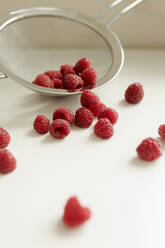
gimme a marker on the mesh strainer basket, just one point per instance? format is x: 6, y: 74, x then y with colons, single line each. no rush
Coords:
x: 39, y: 39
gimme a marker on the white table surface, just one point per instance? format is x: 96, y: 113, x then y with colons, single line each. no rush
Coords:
x: 126, y: 195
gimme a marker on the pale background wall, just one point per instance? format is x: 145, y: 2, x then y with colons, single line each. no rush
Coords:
x: 142, y: 27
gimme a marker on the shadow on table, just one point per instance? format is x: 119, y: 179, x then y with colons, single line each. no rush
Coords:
x: 63, y: 230
x: 137, y: 162
x: 29, y: 106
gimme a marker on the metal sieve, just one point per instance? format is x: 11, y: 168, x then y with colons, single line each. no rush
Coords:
x: 38, y: 39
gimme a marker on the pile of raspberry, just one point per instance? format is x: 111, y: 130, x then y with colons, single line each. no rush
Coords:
x: 149, y: 149
x: 71, y: 78
x: 63, y: 118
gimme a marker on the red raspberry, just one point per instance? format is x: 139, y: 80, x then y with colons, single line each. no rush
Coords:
x: 134, y: 93
x: 4, y: 138
x: 161, y: 131
x: 96, y: 109
x: 83, y: 117
x: 89, y: 76
x: 89, y: 99
x: 67, y: 69
x: 74, y: 214
x: 110, y: 114
x: 104, y: 129
x: 81, y: 65
x: 41, y: 124
x: 149, y: 149
x: 60, y: 128
x: 7, y: 161
x: 72, y: 81
x: 53, y: 74
x: 44, y: 81
x: 58, y: 84
x: 63, y: 113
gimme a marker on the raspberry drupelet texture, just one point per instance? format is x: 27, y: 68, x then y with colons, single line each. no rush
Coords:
x: 67, y: 69
x: 63, y: 113
x: 161, y: 131
x: 53, y: 74
x: 74, y: 214
x: 104, y: 129
x: 83, y: 117
x: 96, y: 109
x: 149, y: 149
x: 110, y: 114
x: 134, y: 93
x: 41, y: 124
x: 7, y: 161
x: 81, y: 65
x: 60, y: 128
x: 4, y: 138
x: 89, y: 99
x: 89, y: 77
x: 57, y: 83
x: 72, y: 81
x: 44, y: 81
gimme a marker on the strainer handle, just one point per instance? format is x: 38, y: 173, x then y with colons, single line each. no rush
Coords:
x: 122, y: 12
x: 2, y: 75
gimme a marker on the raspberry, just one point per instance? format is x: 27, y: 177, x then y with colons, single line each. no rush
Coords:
x: 72, y: 81
x: 44, y: 81
x: 104, y: 129
x: 4, y: 138
x: 134, y: 93
x: 149, y: 149
x: 83, y: 117
x: 60, y: 128
x: 74, y: 214
x: 7, y: 161
x: 63, y: 113
x: 89, y: 76
x: 58, y: 84
x: 41, y: 124
x: 110, y: 114
x: 96, y: 109
x: 81, y: 65
x: 89, y: 99
x: 53, y: 74
x: 67, y: 69
x: 161, y: 131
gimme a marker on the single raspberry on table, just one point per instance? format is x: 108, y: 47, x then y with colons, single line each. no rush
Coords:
x: 60, y: 128
x: 4, y: 138
x: 67, y: 69
x: 63, y: 113
x: 96, y: 109
x: 83, y: 117
x: 134, y: 93
x: 7, y: 161
x: 81, y: 65
x: 110, y: 114
x: 89, y: 99
x: 149, y: 149
x: 72, y: 81
x: 44, y: 81
x: 74, y: 214
x: 161, y: 131
x: 41, y: 124
x: 57, y: 83
x: 104, y: 129
x: 53, y: 74
x: 89, y: 77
